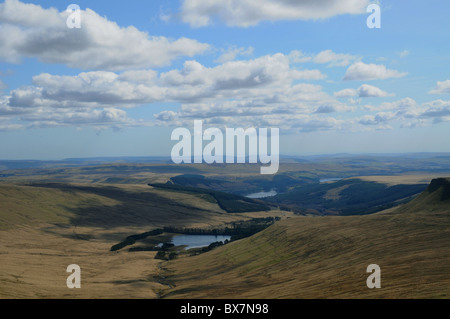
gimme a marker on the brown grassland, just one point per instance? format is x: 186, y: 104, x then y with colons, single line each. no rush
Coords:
x: 44, y: 228
x: 327, y: 257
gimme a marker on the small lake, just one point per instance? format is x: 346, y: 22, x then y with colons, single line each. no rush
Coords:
x: 262, y: 194
x: 196, y: 241
x: 324, y: 180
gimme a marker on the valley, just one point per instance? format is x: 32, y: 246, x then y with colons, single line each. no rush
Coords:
x: 312, y: 239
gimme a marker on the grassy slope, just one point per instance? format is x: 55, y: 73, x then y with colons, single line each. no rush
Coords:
x: 105, y: 206
x: 326, y: 257
x: 43, y: 229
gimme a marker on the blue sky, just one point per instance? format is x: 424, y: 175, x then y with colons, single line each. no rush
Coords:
x: 135, y: 70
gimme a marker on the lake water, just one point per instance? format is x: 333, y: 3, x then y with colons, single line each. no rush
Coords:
x: 196, y: 241
x: 262, y: 194
x: 324, y: 180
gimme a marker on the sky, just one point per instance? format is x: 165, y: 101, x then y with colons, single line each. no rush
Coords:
x: 135, y: 70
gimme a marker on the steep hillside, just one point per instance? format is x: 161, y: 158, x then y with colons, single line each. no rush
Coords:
x: 106, y: 206
x: 46, y: 227
x: 327, y: 257
x: 352, y: 196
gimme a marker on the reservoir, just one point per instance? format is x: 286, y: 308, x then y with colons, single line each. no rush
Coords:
x: 262, y: 194
x: 196, y: 241
x: 324, y: 180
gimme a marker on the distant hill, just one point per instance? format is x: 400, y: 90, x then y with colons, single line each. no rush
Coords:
x: 327, y: 257
x: 346, y: 197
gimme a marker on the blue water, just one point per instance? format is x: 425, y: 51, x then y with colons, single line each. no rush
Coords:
x: 196, y: 241
x: 262, y: 194
x: 324, y: 180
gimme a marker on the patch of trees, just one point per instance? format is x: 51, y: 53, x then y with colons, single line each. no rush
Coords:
x: 130, y: 240
x: 210, y: 247
x: 236, y: 230
x: 164, y: 252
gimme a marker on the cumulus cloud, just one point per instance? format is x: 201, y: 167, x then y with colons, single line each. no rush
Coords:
x: 50, y: 116
x: 193, y: 83
x: 438, y: 110
x: 345, y: 93
x: 405, y: 104
x: 9, y: 127
x: 287, y: 120
x: 64, y: 117
x: 235, y: 88
x: 367, y: 90
x: 28, y: 30
x: 442, y: 87
x: 364, y: 90
x: 334, y: 59
x: 302, y: 107
x: 231, y: 53
x: 245, y: 13
x: 297, y: 56
x: 324, y: 57
x: 380, y: 118
x: 360, y: 71
x: 236, y: 74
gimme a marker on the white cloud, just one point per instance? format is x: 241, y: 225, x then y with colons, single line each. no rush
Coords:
x: 381, y: 118
x: 367, y: 90
x: 438, y: 110
x: 333, y: 107
x: 231, y: 53
x: 27, y: 14
x: 28, y: 30
x: 405, y: 104
x: 364, y: 90
x: 309, y: 75
x: 324, y: 57
x: 252, y: 87
x: 266, y: 76
x: 10, y: 127
x: 244, y: 13
x: 297, y: 56
x: 363, y: 72
x: 334, y: 59
x: 436, y: 104
x: 42, y: 114
x: 345, y: 93
x: 236, y: 77
x: 442, y: 87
